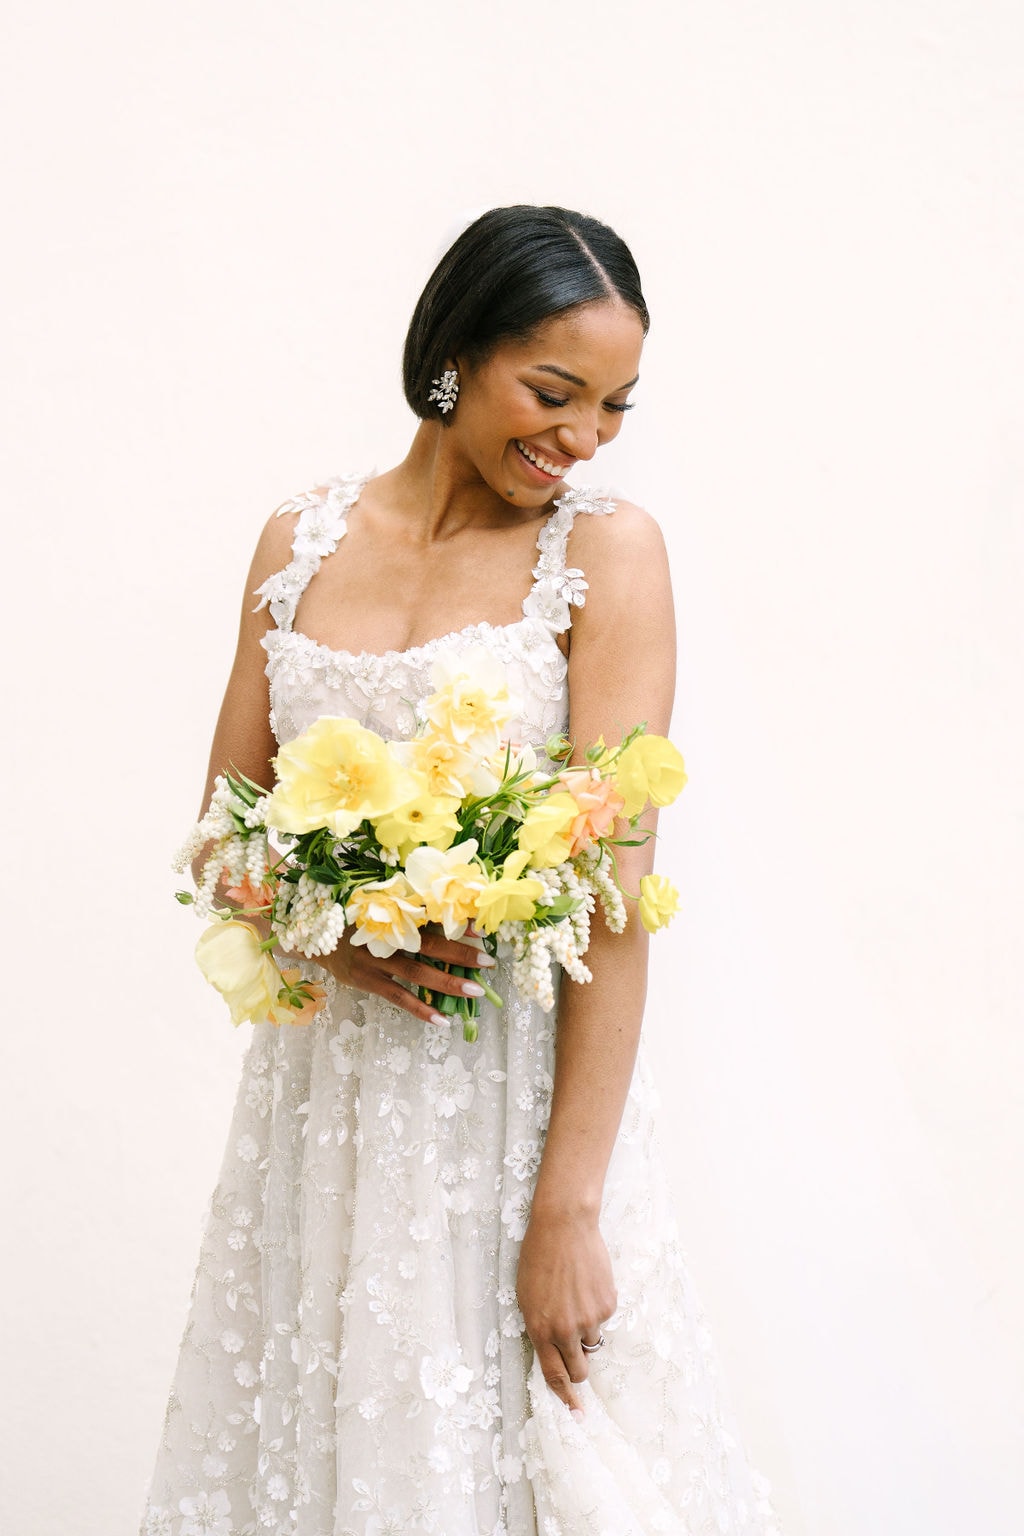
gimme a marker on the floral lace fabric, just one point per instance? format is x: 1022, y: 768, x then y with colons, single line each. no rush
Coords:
x: 354, y: 1362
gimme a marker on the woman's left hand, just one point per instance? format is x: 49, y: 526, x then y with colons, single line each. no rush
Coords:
x: 565, y: 1291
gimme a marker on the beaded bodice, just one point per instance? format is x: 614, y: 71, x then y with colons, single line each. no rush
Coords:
x: 382, y: 691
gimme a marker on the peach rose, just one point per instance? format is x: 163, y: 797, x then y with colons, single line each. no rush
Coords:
x: 599, y: 803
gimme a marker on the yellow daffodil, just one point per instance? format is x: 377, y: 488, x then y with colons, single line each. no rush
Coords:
x: 425, y: 818
x: 231, y: 959
x: 450, y: 882
x: 659, y: 902
x: 336, y: 774
x: 546, y: 833
x: 508, y: 898
x: 386, y: 915
x: 651, y: 768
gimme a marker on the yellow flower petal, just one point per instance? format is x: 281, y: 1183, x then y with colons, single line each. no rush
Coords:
x: 507, y: 898
x: 650, y: 769
x: 386, y: 915
x: 546, y: 832
x: 230, y: 957
x: 659, y: 902
x: 424, y: 818
x: 335, y: 774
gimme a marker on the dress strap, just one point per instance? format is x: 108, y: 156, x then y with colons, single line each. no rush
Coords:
x: 319, y: 529
x: 557, y: 588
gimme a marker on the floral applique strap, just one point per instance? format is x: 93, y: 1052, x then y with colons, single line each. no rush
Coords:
x: 320, y: 527
x: 558, y: 588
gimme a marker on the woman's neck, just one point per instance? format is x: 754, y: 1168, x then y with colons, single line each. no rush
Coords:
x: 440, y: 490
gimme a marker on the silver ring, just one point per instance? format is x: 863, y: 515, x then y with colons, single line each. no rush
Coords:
x: 590, y: 1349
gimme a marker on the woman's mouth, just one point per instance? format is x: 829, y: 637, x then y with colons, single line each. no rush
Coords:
x: 547, y: 469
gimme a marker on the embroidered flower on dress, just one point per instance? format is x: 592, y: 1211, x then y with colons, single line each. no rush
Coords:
x: 572, y: 587
x: 594, y: 501
x: 437, y: 1037
x: 260, y: 1095
x: 524, y: 1159
x: 515, y: 1214
x: 320, y: 529
x: 449, y: 1087
x: 346, y: 1047
x: 208, y: 1514
x: 444, y: 1377
x: 399, y: 1060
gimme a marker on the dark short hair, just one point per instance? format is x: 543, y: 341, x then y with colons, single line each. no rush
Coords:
x: 511, y: 269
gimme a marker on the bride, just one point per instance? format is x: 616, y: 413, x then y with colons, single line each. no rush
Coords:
x: 441, y: 1287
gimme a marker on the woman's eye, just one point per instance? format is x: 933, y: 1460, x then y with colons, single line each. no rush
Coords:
x: 620, y: 408
x: 546, y: 399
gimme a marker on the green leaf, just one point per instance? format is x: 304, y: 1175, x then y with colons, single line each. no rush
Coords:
x: 185, y: 897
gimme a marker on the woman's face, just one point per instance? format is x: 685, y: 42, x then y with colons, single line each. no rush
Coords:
x: 531, y: 410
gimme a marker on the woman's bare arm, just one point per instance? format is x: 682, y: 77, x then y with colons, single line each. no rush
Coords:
x: 621, y: 671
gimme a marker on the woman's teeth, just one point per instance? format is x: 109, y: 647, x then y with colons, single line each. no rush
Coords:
x: 555, y: 470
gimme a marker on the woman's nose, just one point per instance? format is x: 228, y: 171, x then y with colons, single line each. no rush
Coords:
x: 579, y: 437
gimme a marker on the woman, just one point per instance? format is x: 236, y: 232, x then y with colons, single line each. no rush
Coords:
x: 440, y: 1289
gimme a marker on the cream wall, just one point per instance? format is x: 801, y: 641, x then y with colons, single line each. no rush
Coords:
x: 217, y: 219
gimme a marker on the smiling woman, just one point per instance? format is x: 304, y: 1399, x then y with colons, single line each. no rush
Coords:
x: 441, y: 1288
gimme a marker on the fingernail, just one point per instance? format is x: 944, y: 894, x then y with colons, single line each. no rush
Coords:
x: 577, y: 1414
x: 472, y: 989
x: 438, y: 1018
x: 485, y: 960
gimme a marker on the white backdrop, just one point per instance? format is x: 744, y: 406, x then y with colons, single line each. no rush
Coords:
x: 217, y: 218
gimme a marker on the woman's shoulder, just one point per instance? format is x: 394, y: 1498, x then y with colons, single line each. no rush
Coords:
x: 613, y: 532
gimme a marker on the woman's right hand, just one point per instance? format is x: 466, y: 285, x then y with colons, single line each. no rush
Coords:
x: 352, y: 965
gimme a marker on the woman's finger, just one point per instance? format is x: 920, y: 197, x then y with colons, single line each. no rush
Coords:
x: 392, y: 991
x: 409, y: 969
x: 556, y: 1374
x: 453, y: 951
x: 576, y: 1362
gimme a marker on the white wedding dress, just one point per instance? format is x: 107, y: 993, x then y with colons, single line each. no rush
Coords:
x: 354, y: 1362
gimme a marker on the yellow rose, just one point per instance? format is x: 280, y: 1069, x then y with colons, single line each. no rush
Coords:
x: 450, y: 883
x: 424, y: 818
x: 386, y: 915
x: 245, y: 975
x: 651, y: 768
x: 445, y: 767
x: 659, y: 902
x: 546, y: 833
x: 508, y: 899
x: 471, y: 704
x: 336, y: 774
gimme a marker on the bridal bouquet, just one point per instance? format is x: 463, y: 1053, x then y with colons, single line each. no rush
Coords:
x: 450, y: 827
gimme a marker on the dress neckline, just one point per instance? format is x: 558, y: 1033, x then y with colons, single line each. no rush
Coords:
x: 480, y: 629
x: 323, y: 522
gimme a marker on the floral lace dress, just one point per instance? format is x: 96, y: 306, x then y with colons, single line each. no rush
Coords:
x: 354, y: 1362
